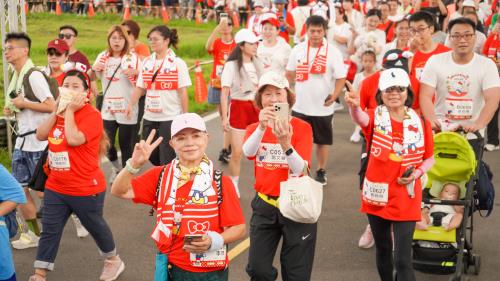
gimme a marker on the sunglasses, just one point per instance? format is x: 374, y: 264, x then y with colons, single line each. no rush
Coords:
x: 66, y: 35
x: 398, y: 89
x: 53, y: 52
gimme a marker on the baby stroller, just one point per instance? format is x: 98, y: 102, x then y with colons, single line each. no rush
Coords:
x: 436, y: 250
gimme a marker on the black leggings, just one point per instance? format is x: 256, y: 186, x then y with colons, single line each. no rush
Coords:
x: 403, y: 235
x: 127, y: 135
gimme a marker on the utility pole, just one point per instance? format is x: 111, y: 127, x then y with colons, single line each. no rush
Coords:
x: 13, y: 19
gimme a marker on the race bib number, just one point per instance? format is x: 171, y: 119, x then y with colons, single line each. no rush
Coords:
x: 115, y: 105
x: 375, y: 193
x: 59, y: 160
x: 209, y: 259
x: 153, y: 104
x: 271, y: 155
x: 302, y: 72
x: 458, y: 109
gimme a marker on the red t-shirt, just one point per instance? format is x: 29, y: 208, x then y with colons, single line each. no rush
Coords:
x: 369, y: 87
x: 230, y: 213
x: 289, y: 21
x: 75, y: 170
x: 220, y: 52
x: 59, y: 78
x: 491, y: 47
x: 79, y: 57
x: 389, y: 31
x: 400, y: 207
x: 419, y: 59
x: 270, y: 164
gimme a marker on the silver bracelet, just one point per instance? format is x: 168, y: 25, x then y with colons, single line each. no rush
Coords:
x: 131, y: 169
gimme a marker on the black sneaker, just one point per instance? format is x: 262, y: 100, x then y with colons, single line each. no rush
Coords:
x: 224, y: 156
x: 321, y: 176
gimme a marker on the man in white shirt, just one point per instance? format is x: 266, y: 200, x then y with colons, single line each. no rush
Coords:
x: 466, y: 84
x: 318, y: 72
x: 30, y: 100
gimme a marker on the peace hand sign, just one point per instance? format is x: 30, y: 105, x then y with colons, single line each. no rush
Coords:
x: 351, y: 97
x: 143, y: 150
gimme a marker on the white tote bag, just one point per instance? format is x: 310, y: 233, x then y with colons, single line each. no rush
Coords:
x: 301, y: 199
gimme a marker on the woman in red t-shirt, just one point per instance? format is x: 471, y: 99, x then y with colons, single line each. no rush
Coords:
x: 75, y: 182
x: 278, y: 146
x: 400, y: 152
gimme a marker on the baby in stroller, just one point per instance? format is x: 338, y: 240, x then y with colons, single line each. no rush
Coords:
x: 447, y: 216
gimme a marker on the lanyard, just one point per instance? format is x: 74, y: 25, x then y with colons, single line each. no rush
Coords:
x: 158, y: 70
x: 317, y: 52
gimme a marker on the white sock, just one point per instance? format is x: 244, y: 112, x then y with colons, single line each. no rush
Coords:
x: 235, y: 183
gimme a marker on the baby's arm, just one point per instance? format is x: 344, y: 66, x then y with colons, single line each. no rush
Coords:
x: 456, y: 220
x: 423, y: 224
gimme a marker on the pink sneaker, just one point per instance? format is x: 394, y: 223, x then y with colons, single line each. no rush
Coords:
x: 36, y: 277
x: 366, y: 240
x: 112, y: 269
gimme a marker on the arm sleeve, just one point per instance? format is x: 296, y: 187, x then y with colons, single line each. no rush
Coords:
x: 359, y: 116
x: 40, y: 86
x: 145, y: 185
x: 295, y: 163
x: 252, y: 143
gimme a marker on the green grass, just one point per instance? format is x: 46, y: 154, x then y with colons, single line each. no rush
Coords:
x: 92, y: 34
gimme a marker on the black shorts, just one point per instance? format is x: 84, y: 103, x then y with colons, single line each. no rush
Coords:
x: 321, y: 126
x: 170, y: 3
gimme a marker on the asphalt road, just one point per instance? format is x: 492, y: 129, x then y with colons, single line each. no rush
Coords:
x: 338, y: 257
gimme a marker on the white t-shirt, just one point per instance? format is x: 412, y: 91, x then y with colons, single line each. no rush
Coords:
x: 358, y: 78
x: 356, y: 19
x: 274, y: 58
x: 168, y: 100
x: 478, y: 45
x: 342, y: 30
x: 119, y: 92
x: 311, y: 94
x: 231, y: 78
x: 29, y: 120
x: 459, y: 88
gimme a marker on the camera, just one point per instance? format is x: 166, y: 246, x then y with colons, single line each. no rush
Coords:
x: 13, y: 94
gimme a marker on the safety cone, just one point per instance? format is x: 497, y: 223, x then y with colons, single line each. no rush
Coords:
x: 126, y: 14
x: 164, y: 14
x: 236, y: 20
x: 199, y: 20
x: 91, y: 9
x: 200, y: 87
x: 26, y: 7
x: 58, y: 8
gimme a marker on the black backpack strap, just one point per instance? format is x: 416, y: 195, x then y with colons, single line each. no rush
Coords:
x: 157, y: 193
x: 218, y: 182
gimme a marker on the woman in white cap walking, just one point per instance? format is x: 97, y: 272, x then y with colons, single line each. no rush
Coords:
x: 279, y: 146
x: 239, y: 81
x: 400, y: 151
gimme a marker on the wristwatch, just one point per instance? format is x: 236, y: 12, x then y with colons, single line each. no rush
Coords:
x: 289, y: 151
x: 131, y: 169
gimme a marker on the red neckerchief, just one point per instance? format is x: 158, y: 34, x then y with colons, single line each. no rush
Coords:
x: 319, y: 63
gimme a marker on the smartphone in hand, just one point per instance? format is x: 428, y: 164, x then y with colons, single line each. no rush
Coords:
x: 189, y: 238
x: 282, y: 110
x: 408, y: 172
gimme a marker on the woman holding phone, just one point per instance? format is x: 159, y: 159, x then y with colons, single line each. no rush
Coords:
x: 163, y: 79
x: 239, y: 81
x: 279, y: 145
x: 400, y: 151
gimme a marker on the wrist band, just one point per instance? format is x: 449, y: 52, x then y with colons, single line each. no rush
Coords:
x: 217, y: 241
x: 131, y: 169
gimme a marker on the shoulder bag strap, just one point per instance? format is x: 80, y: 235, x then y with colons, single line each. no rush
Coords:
x: 111, y: 80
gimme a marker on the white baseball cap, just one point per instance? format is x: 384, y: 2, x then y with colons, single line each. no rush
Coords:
x: 393, y: 77
x: 187, y: 120
x: 258, y: 3
x: 245, y: 35
x: 469, y: 3
x: 274, y: 79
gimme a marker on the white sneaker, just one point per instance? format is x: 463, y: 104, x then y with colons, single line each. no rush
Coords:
x: 26, y: 240
x: 112, y: 269
x: 366, y: 240
x: 337, y: 106
x: 81, y: 231
x: 355, y: 137
x: 491, y: 147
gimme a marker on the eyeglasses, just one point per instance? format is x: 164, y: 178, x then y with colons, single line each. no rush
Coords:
x: 10, y: 48
x: 52, y: 53
x: 419, y: 31
x: 66, y: 35
x: 398, y: 89
x: 458, y: 37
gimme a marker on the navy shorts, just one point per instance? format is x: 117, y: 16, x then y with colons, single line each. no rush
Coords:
x: 214, y: 95
x: 23, y: 165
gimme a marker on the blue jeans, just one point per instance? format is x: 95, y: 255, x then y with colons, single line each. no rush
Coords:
x: 23, y: 165
x: 57, y: 209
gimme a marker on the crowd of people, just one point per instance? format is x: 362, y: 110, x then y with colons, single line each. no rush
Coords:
x: 405, y: 70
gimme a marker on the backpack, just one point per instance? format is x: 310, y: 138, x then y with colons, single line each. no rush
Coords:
x: 484, y: 191
x: 11, y: 223
x: 217, y: 179
x: 28, y: 91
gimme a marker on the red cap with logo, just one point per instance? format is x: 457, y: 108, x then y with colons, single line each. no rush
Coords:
x: 272, y: 21
x: 58, y: 44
